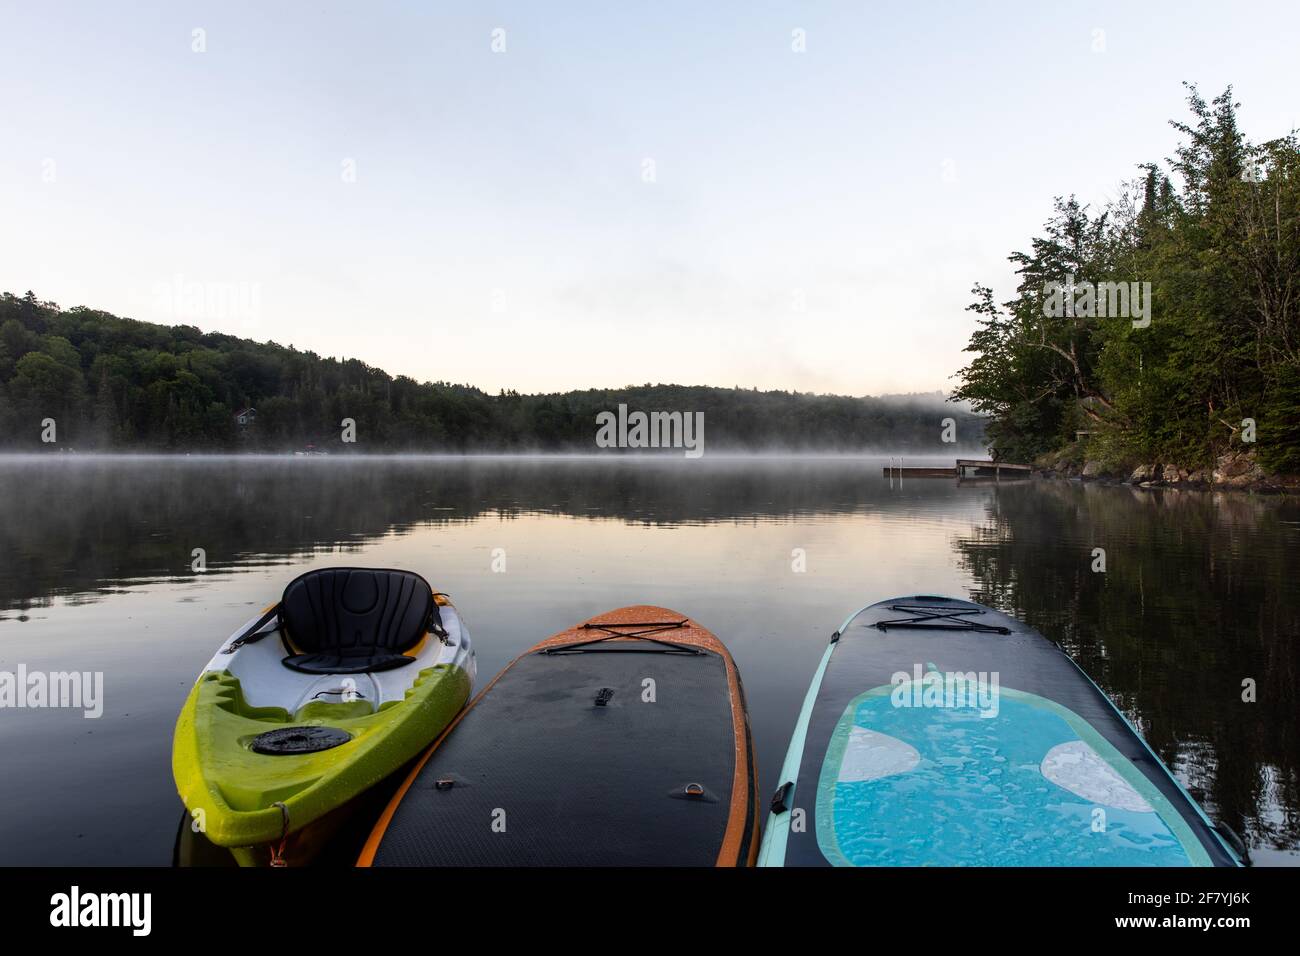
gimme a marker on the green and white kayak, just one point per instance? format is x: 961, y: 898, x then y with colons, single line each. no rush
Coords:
x: 326, y: 694
x: 938, y: 732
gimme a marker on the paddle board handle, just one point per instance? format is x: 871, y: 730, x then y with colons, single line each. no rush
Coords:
x: 782, y: 795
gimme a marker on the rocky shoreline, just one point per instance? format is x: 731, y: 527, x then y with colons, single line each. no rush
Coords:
x: 1233, y: 471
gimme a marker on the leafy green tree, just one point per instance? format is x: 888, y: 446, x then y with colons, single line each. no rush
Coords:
x: 43, y: 387
x: 1222, y: 256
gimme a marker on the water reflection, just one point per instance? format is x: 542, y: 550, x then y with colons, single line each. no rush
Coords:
x: 82, y: 529
x: 1198, y: 594
x: 1198, y: 598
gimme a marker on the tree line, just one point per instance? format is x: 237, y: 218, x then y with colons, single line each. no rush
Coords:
x: 1211, y: 358
x: 117, y: 384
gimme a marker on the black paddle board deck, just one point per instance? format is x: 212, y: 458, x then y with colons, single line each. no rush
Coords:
x: 622, y: 741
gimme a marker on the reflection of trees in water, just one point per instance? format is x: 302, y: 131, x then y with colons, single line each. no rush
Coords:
x: 1199, y: 594
x: 73, y: 529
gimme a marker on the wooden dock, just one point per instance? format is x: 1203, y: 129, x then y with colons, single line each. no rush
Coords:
x: 964, y: 468
x: 974, y: 468
x: 919, y: 471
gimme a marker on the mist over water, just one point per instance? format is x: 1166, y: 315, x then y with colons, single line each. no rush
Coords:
x: 96, y: 576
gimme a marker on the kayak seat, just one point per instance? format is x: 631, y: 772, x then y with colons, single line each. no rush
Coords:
x: 355, y: 620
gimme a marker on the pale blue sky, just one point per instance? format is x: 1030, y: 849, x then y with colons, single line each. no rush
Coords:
x: 815, y: 223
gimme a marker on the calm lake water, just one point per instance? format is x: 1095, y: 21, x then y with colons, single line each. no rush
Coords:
x: 1199, y: 594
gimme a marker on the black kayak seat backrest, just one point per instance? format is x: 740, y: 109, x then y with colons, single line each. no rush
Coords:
x: 352, y: 620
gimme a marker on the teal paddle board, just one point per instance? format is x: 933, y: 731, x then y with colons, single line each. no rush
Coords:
x: 938, y: 732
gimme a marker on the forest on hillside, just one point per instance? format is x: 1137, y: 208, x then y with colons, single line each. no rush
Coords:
x: 1211, y: 363
x: 116, y: 384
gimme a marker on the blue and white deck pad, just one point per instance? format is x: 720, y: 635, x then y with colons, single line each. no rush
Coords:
x: 1026, y: 782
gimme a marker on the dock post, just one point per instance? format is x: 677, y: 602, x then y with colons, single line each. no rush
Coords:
x: 891, y: 470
